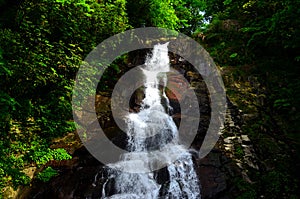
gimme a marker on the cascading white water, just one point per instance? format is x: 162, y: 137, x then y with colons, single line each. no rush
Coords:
x: 151, y: 121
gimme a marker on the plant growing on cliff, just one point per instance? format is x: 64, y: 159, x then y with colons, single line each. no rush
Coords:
x: 47, y: 174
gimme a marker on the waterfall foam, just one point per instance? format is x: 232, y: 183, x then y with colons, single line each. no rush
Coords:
x: 142, y: 128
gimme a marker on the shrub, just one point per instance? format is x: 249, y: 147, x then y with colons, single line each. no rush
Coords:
x: 47, y: 174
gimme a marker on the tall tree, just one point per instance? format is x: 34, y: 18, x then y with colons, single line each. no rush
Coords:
x: 183, y: 15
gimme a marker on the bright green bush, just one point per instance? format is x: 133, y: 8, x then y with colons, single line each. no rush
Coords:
x: 47, y: 174
x: 41, y: 157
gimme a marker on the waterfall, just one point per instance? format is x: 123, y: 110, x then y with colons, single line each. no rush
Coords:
x: 153, y: 129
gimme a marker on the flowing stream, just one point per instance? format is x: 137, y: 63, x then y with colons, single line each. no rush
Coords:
x: 153, y: 135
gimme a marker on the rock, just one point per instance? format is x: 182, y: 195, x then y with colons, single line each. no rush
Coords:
x: 228, y: 140
x: 245, y: 139
x: 10, y: 193
x: 213, y: 180
x: 176, y: 86
x: 162, y: 175
x: 30, y: 171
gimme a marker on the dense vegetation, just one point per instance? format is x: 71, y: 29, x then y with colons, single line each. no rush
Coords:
x: 257, y: 45
x: 42, y: 45
x: 43, y: 42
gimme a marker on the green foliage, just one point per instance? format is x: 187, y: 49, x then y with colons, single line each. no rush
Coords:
x: 247, y: 190
x: 7, y: 104
x: 281, y: 103
x: 47, y: 174
x: 12, y: 176
x: 238, y: 149
x: 39, y: 57
x: 151, y: 13
x: 253, y: 28
x: 233, y: 55
x: 24, y: 148
x: 41, y: 157
x: 280, y: 183
x: 275, y: 183
x: 78, y: 24
x: 183, y: 15
x: 10, y: 165
x: 44, y: 56
x: 190, y: 14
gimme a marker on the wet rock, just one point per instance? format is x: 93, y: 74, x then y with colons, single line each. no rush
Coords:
x: 162, y: 175
x: 212, y: 179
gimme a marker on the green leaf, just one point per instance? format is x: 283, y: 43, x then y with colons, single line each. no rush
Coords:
x: 227, y: 2
x: 233, y: 55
